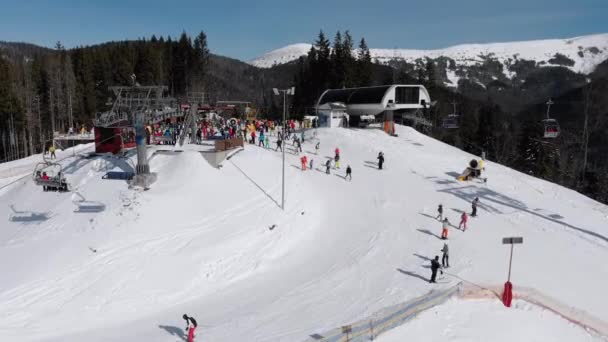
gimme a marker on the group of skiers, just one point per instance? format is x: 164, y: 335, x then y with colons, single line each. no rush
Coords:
x: 445, y: 224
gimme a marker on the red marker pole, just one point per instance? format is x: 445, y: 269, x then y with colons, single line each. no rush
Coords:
x: 507, y: 295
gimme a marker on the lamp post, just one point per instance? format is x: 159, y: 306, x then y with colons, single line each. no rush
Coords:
x: 288, y: 91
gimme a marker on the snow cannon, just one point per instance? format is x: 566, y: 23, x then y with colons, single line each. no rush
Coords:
x: 472, y: 171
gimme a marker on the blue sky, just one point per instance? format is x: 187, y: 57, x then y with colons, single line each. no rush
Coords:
x: 246, y: 29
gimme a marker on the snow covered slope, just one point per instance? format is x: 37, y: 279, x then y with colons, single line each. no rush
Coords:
x: 586, y: 52
x: 199, y: 243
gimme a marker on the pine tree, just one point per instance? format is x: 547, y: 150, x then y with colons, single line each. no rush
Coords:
x: 348, y: 60
x: 363, y: 65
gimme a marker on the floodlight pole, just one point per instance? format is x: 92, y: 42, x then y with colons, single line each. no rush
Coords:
x: 283, y: 152
x: 289, y: 91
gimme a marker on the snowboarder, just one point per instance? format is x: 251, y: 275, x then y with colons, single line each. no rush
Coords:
x: 434, y: 267
x: 337, y: 161
x: 317, y: 148
x: 380, y: 160
x: 463, y: 221
x: 349, y: 173
x: 279, y: 143
x: 445, y: 258
x: 327, y: 166
x: 439, y: 213
x: 474, y: 207
x: 304, y: 161
x: 190, y: 327
x: 444, y: 228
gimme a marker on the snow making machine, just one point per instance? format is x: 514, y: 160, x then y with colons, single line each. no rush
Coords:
x: 472, y: 171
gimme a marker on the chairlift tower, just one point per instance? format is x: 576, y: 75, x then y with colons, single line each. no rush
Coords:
x: 134, y: 106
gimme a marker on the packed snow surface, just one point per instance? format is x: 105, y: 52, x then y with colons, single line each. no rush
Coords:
x: 199, y: 242
x: 586, y: 52
x: 482, y: 321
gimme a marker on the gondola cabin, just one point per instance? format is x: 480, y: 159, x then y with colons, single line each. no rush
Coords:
x: 450, y: 122
x: 551, y: 128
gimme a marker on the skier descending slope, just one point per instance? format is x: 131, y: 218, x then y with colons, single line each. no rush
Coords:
x: 380, y: 160
x: 474, y: 207
x: 327, y: 166
x: 463, y: 221
x: 445, y: 258
x: 349, y: 173
x: 337, y: 158
x: 304, y: 162
x: 190, y: 327
x: 434, y: 267
x: 439, y: 213
x: 444, y: 228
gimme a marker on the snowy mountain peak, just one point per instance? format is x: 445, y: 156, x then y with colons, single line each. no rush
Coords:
x: 283, y: 55
x: 580, y: 54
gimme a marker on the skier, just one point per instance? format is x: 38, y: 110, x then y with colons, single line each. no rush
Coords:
x: 52, y: 151
x: 463, y: 221
x: 337, y: 160
x: 304, y: 161
x: 253, y: 137
x: 434, y: 267
x: 279, y: 143
x: 337, y: 151
x: 302, y: 136
x: 445, y: 259
x: 298, y: 145
x: 439, y: 213
x: 317, y: 148
x: 380, y: 160
x: 190, y: 327
x: 261, y: 139
x: 349, y: 173
x: 327, y: 166
x: 474, y: 206
x: 444, y: 228
x: 311, y: 161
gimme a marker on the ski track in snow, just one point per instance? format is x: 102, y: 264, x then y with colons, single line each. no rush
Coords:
x: 199, y: 242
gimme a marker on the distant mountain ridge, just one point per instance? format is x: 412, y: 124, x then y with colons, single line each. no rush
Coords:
x: 580, y: 54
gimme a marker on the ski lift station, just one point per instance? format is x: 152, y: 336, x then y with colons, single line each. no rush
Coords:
x: 389, y: 103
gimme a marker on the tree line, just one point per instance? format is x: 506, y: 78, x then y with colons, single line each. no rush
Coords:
x: 330, y: 66
x: 53, y: 89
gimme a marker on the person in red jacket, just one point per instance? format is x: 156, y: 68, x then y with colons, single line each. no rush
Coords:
x: 304, y: 162
x: 463, y: 221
